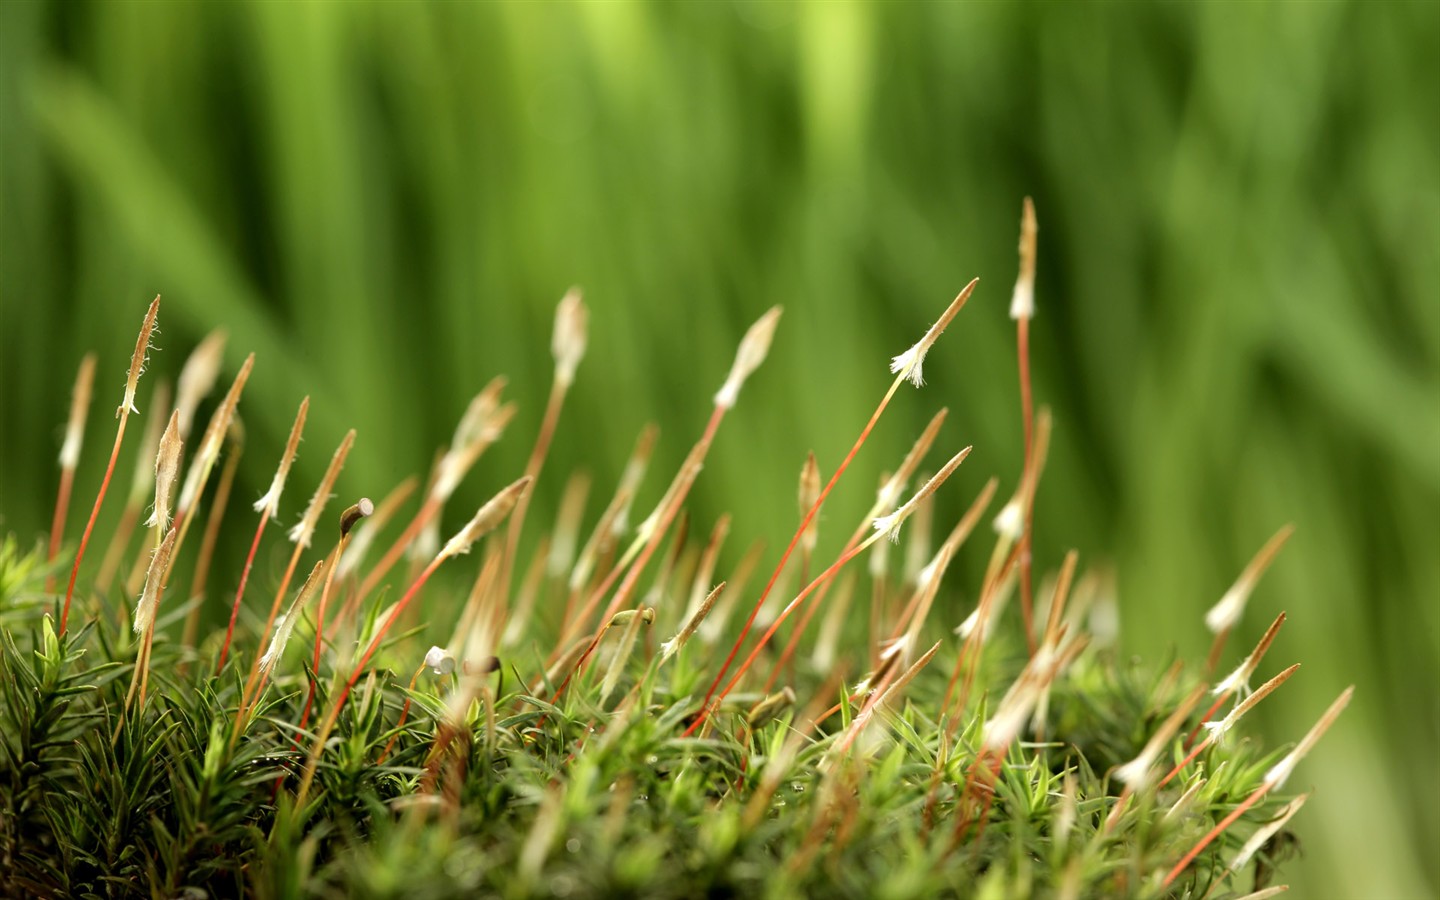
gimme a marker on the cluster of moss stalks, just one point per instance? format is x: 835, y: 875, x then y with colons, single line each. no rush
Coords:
x: 601, y: 715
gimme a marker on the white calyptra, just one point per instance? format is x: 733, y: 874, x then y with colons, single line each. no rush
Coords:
x: 269, y: 504
x: 911, y: 363
x: 889, y: 526
x: 1238, y: 681
x: 567, y: 342
x: 1223, y: 615
x: 753, y: 348
x: 167, y: 466
x: 1266, y: 832
x: 1004, y: 727
x: 1010, y: 521
x: 1276, y: 777
x: 440, y: 660
x: 79, y: 406
x: 1022, y: 301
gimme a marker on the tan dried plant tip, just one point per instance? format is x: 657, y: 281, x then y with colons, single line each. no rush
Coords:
x: 1267, y: 831
x: 286, y: 625
x: 1281, y: 771
x: 305, y: 529
x: 209, y: 448
x: 167, y: 466
x: 1218, y: 730
x: 753, y: 349
x: 269, y: 504
x: 892, y: 485
x: 567, y: 343
x: 909, y: 365
x: 889, y: 525
x: 1239, y: 680
x: 1022, y: 302
x: 809, y: 495
x: 138, y: 358
x: 79, y: 408
x: 1136, y: 773
x: 491, y: 514
x: 1225, y: 614
x: 198, y: 376
x: 154, y: 575
x: 674, y: 645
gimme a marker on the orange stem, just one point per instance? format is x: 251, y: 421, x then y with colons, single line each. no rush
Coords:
x: 785, y: 557
x: 94, y: 514
x: 240, y: 591
x: 1028, y: 415
x: 57, y: 524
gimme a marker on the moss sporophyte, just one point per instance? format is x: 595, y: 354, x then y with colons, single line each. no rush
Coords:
x: 592, y: 717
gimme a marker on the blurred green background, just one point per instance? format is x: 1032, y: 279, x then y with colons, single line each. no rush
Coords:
x: 1239, y: 288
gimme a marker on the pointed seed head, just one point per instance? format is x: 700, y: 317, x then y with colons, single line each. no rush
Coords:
x: 1224, y: 615
x: 567, y: 343
x: 208, y: 449
x: 269, y: 505
x: 1280, y: 772
x: 809, y: 495
x: 137, y: 360
x: 167, y: 466
x: 486, y: 519
x: 197, y: 377
x: 909, y: 364
x: 1022, y: 301
x: 79, y: 408
x: 753, y: 348
x: 890, y: 524
x: 285, y: 626
x: 154, y: 575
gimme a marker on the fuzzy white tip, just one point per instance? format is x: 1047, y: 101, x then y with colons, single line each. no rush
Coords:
x: 1224, y: 615
x: 1010, y: 521
x: 1258, y: 840
x: 426, y: 543
x: 448, y: 479
x: 753, y: 349
x: 926, y: 574
x: 1002, y: 730
x: 284, y: 625
x: 304, y: 529
x: 968, y: 626
x: 889, y: 526
x: 270, y: 503
x: 1237, y: 681
x: 486, y: 518
x: 567, y: 342
x: 440, y: 661
x: 167, y: 466
x: 1281, y: 771
x: 1135, y: 772
x: 150, y: 595
x: 911, y: 364
x: 70, y: 450
x: 891, y: 648
x: 1217, y: 730
x: 1022, y: 302
x: 197, y: 377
